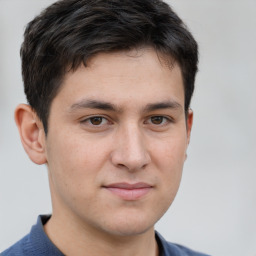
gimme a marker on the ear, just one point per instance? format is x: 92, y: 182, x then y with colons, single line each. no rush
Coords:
x: 32, y: 133
x: 189, y: 124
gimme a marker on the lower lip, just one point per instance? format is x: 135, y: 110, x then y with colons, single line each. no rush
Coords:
x: 130, y: 194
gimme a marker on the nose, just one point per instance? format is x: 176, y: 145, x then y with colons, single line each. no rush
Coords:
x: 130, y: 151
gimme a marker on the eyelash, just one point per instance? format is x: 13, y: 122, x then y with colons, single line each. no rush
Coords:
x: 164, y: 121
x: 89, y: 120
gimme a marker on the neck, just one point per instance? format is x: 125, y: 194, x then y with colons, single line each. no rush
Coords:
x: 75, y: 238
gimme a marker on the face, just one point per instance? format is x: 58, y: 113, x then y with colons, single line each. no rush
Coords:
x: 117, y: 142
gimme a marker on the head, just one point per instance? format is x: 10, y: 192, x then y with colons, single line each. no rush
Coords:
x: 70, y: 32
x: 109, y: 85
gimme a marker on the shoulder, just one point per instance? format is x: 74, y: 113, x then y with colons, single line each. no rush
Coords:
x: 18, y: 248
x: 171, y: 249
x: 183, y: 251
x: 36, y: 243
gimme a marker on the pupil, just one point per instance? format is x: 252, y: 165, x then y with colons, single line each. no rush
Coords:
x: 96, y: 120
x: 157, y: 119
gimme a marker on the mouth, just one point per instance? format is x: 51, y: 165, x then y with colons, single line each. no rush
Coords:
x: 129, y: 192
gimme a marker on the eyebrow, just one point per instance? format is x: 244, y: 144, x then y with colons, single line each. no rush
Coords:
x: 96, y: 104
x: 93, y: 104
x: 170, y: 104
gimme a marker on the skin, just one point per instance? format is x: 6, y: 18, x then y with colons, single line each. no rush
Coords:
x: 119, y: 120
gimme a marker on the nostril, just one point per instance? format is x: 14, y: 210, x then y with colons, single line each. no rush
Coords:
x: 121, y: 166
x: 144, y: 166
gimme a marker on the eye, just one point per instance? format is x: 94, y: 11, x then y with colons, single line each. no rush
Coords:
x: 158, y: 120
x: 95, y: 121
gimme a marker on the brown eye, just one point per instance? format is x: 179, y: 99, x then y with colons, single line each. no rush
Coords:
x: 157, y: 119
x: 97, y: 120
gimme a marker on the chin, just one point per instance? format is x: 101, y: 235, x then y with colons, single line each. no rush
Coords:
x: 130, y: 226
x: 129, y: 231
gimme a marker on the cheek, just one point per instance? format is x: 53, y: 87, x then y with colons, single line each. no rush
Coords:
x: 74, y: 151
x: 169, y: 156
x: 169, y: 153
x: 70, y: 163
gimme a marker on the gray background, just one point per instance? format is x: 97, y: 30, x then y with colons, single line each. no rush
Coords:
x: 215, y: 209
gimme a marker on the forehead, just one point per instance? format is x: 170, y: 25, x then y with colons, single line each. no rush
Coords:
x: 136, y: 76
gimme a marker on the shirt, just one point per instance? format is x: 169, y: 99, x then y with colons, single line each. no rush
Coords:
x: 37, y: 243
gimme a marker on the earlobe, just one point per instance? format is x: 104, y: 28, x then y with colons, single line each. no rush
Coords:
x: 31, y: 133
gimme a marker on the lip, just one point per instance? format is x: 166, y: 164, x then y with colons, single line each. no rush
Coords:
x: 129, y: 192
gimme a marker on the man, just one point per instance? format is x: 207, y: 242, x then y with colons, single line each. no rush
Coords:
x: 109, y: 85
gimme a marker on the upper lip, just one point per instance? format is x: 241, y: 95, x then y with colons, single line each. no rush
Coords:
x: 125, y: 185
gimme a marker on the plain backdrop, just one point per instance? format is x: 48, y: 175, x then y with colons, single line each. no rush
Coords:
x: 215, y: 209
